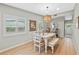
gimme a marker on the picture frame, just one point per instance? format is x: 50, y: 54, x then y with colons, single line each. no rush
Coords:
x: 32, y: 25
x: 78, y: 22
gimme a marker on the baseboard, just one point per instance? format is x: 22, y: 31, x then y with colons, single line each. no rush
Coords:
x: 6, y: 49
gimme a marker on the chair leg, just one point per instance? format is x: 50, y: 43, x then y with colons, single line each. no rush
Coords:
x: 52, y: 50
x: 39, y: 49
x: 34, y: 48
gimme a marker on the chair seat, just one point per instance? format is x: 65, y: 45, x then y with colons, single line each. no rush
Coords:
x: 37, y: 40
x: 41, y: 44
x: 53, y: 42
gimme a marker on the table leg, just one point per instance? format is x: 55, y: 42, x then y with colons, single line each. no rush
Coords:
x: 45, y: 45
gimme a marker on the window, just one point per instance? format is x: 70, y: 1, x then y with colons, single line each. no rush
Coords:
x: 10, y: 25
x: 21, y: 25
x: 13, y: 24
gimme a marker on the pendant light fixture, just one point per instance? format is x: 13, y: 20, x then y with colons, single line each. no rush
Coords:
x: 47, y: 18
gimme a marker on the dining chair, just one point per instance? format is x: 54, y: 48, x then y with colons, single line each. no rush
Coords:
x: 53, y: 43
x: 38, y: 42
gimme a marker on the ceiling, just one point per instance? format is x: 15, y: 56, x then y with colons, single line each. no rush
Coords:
x: 40, y: 8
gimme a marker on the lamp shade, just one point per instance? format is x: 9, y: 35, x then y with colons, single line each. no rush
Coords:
x: 47, y: 18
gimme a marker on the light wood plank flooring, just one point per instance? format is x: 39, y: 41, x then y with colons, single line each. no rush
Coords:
x: 65, y: 47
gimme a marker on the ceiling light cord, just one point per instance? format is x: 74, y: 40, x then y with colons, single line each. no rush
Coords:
x: 47, y: 9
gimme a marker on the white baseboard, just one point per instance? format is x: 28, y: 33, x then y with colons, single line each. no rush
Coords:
x: 6, y: 49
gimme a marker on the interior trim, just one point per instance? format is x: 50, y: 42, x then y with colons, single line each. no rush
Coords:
x: 6, y: 49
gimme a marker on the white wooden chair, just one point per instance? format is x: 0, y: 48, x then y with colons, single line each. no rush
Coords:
x: 53, y: 43
x: 38, y: 42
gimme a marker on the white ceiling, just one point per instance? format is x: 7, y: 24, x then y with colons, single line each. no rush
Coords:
x: 40, y: 8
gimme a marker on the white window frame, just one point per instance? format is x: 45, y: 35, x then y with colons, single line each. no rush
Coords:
x: 12, y: 33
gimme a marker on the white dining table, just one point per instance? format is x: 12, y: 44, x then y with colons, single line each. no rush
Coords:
x: 46, y: 36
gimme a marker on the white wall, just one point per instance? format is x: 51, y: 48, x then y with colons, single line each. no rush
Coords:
x: 75, y: 28
x: 9, y: 41
x: 0, y: 25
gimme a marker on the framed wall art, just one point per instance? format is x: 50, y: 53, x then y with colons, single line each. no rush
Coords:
x: 32, y: 25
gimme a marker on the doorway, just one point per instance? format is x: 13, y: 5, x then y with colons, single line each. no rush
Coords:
x: 68, y: 28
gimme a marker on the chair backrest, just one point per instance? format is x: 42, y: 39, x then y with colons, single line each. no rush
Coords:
x: 37, y: 36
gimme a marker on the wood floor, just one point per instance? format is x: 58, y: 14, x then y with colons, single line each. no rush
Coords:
x: 65, y: 47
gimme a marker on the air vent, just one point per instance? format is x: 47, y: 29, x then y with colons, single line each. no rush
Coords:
x: 55, y: 14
